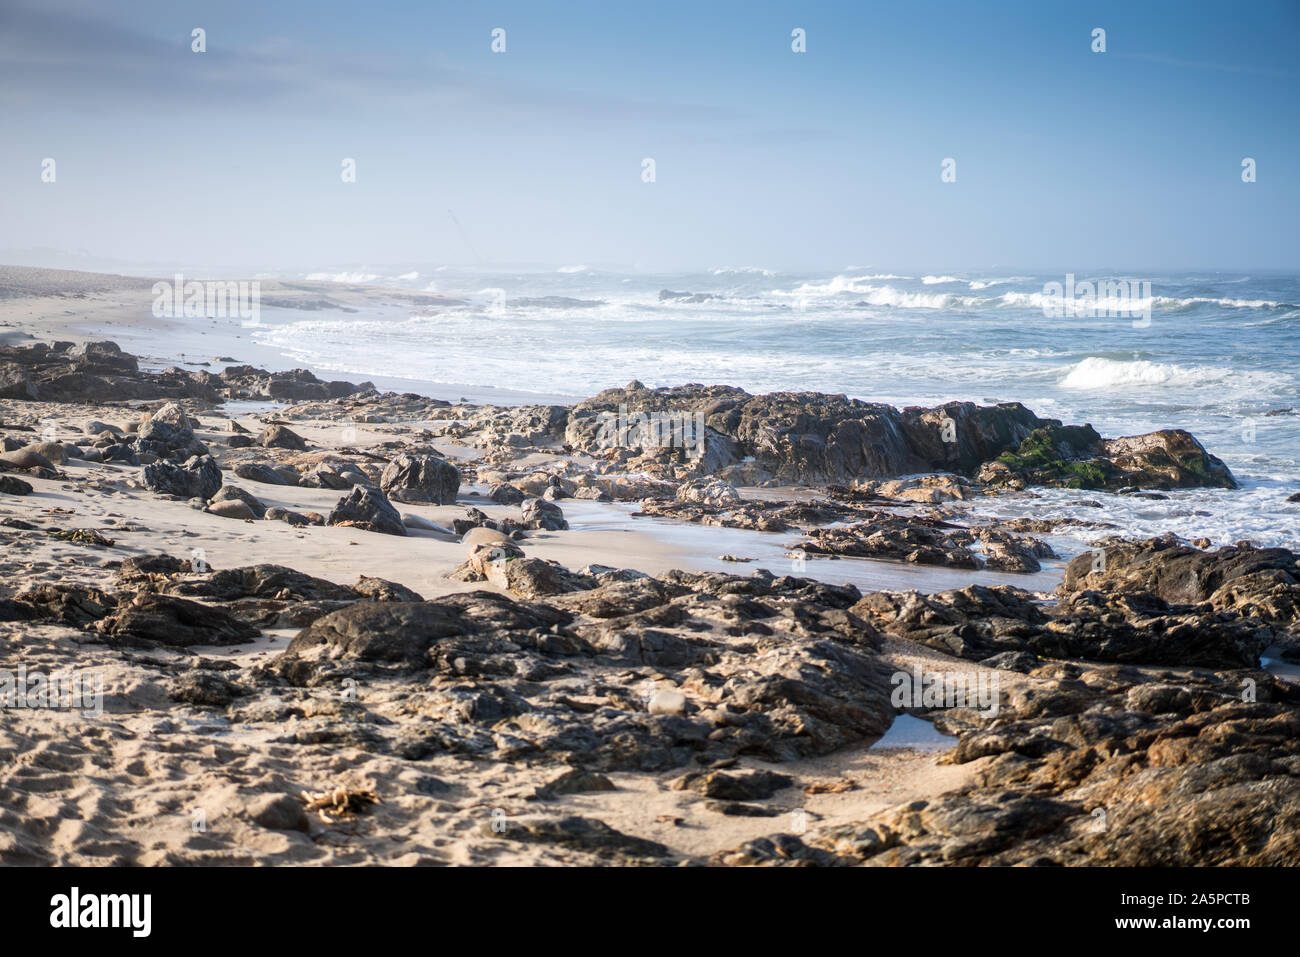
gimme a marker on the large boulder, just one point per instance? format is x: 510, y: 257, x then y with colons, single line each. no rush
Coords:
x: 281, y: 437
x: 197, y: 478
x: 541, y: 514
x: 367, y: 507
x: 1170, y: 458
x: 421, y: 479
x: 176, y: 439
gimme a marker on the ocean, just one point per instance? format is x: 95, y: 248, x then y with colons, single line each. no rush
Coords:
x: 1216, y: 354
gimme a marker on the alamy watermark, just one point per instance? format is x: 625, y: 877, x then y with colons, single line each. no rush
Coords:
x: 652, y: 430
x: 60, y: 691
x: 209, y: 299
x: 1094, y: 298
x: 946, y: 689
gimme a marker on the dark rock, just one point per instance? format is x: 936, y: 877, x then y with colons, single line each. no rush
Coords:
x: 541, y: 514
x: 421, y: 479
x: 579, y: 834
x: 277, y: 514
x: 205, y: 690
x: 281, y: 437
x: 198, y: 478
x: 263, y: 581
x: 734, y: 786
x: 379, y: 589
x: 266, y: 474
x: 176, y: 622
x: 14, y: 486
x: 504, y: 493
x: 368, y: 508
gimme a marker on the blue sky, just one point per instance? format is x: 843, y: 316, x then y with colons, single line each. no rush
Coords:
x: 1066, y: 159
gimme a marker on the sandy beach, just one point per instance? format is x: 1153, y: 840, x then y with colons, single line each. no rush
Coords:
x: 654, y: 659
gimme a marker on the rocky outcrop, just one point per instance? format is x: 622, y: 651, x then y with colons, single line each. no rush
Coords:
x: 1112, y: 767
x: 771, y: 667
x: 979, y: 622
x: 93, y: 372
x: 809, y: 437
x: 1262, y: 583
x: 1077, y: 457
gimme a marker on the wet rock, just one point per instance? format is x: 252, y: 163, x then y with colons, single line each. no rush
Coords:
x: 1115, y: 768
x: 575, y: 781
x: 978, y: 622
x: 408, y: 634
x: 169, y: 432
x: 16, y: 383
x: 708, y: 492
x: 1258, y: 582
x: 205, y: 690
x: 535, y: 577
x: 918, y: 541
x: 734, y: 786
x: 65, y: 603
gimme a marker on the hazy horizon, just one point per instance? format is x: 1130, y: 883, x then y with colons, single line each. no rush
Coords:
x: 229, y: 160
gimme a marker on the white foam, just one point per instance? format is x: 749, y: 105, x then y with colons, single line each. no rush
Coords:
x: 871, y: 294
x: 1098, y: 373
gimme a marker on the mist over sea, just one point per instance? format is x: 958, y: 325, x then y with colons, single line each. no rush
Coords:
x: 1220, y: 355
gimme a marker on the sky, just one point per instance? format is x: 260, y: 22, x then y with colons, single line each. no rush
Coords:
x: 1065, y: 158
